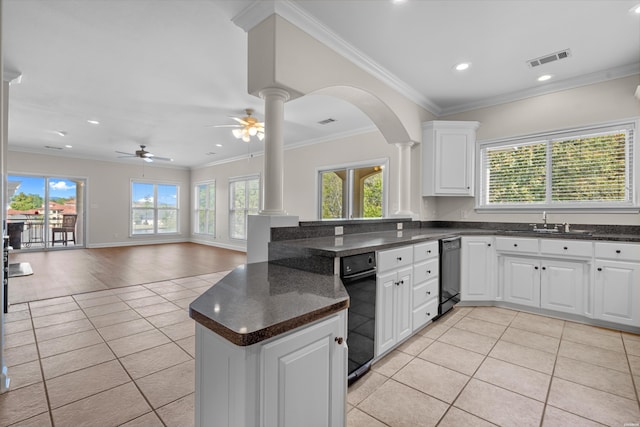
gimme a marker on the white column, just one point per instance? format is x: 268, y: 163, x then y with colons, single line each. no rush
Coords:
x: 404, y: 179
x: 273, y: 185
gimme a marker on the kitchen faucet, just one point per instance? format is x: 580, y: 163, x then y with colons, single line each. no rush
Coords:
x: 544, y: 218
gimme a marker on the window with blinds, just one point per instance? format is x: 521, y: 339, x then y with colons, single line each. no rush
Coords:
x: 585, y: 168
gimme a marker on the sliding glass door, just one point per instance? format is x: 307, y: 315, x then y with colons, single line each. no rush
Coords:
x: 45, y: 212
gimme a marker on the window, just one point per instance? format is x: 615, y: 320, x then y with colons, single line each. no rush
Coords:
x: 584, y: 168
x: 356, y: 191
x: 244, y: 199
x: 154, y: 208
x: 205, y: 209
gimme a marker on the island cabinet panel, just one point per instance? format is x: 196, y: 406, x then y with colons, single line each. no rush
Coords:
x: 295, y: 379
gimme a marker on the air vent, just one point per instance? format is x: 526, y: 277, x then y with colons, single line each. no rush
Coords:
x: 326, y: 121
x: 51, y: 147
x: 549, y: 58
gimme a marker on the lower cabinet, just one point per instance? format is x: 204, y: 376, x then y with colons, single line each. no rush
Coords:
x: 616, y: 292
x: 521, y: 280
x: 478, y: 275
x: 293, y: 380
x: 393, y: 308
x: 563, y: 285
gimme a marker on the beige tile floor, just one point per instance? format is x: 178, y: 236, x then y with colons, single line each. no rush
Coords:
x: 126, y: 357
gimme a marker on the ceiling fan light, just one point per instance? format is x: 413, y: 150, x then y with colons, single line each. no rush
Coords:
x: 147, y: 159
x: 253, y: 131
x: 246, y: 138
x: 260, y: 136
x: 237, y: 133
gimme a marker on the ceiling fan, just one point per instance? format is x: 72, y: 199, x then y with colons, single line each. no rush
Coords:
x: 144, y: 155
x: 247, y: 127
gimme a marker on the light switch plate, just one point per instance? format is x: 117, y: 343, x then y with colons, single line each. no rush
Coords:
x: 399, y: 226
x: 339, y: 230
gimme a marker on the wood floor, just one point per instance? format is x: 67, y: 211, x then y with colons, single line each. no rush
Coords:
x: 73, y: 271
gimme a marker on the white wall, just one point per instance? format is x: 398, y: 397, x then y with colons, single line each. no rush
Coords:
x: 586, y: 105
x: 108, y: 193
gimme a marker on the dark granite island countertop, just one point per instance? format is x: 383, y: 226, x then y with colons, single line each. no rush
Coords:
x: 259, y: 301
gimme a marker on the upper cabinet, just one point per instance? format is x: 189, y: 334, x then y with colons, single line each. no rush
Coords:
x: 448, y: 152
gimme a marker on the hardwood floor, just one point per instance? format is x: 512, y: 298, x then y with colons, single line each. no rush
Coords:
x: 73, y: 271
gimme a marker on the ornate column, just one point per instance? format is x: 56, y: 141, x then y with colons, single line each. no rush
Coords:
x: 404, y: 178
x: 272, y: 200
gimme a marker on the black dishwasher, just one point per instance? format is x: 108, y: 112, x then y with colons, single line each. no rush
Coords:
x: 358, y: 274
x: 449, y: 274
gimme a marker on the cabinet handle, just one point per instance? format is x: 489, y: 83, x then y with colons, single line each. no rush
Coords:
x: 515, y: 245
x: 428, y: 271
x: 399, y: 258
x: 429, y: 251
x: 339, y: 340
x: 536, y: 267
x: 618, y: 251
x: 428, y: 314
x: 599, y: 268
x: 565, y: 248
x: 428, y: 292
x: 544, y: 268
x: 489, y: 244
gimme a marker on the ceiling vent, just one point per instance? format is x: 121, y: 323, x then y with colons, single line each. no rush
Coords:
x: 549, y: 58
x: 326, y: 121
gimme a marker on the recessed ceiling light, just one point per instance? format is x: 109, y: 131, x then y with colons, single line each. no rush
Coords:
x: 462, y: 66
x: 93, y: 122
x: 544, y: 78
x: 635, y: 9
x: 398, y: 1
x: 68, y: 146
x: 218, y: 145
x: 60, y: 132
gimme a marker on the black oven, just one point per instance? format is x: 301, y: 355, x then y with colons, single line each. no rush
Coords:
x: 358, y: 274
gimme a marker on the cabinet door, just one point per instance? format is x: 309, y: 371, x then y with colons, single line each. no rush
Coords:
x: 384, y: 312
x: 403, y: 308
x: 562, y: 284
x: 478, y: 269
x: 521, y: 277
x: 455, y: 164
x: 305, y: 377
x: 616, y: 292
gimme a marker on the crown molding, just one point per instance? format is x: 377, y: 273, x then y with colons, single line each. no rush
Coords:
x: 566, y: 84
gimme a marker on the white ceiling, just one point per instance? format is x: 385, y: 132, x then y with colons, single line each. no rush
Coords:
x: 159, y: 72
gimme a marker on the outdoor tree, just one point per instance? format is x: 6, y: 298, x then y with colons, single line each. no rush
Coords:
x: 25, y: 202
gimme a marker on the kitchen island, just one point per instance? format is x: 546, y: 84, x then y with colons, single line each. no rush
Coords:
x: 271, y: 349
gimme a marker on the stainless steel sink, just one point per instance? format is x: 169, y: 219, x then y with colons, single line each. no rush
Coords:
x: 546, y: 230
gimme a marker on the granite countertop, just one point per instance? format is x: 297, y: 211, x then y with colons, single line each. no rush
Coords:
x: 351, y: 244
x: 258, y: 301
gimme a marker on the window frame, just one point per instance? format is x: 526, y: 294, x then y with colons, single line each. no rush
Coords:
x: 155, y: 208
x: 246, y: 210
x: 209, y: 212
x: 632, y: 160
x: 349, y: 167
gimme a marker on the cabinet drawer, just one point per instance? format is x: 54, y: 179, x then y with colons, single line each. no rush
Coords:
x: 566, y: 247
x: 618, y: 251
x: 425, y: 292
x: 424, y: 313
x: 426, y: 270
x: 518, y: 245
x: 423, y: 251
x: 394, y: 258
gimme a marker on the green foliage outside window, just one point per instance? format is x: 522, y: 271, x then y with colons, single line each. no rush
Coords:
x: 25, y: 202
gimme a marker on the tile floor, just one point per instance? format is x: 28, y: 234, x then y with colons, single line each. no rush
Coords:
x: 126, y: 357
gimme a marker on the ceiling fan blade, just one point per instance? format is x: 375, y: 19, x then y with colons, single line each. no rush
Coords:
x: 241, y: 121
x: 147, y: 159
x: 128, y: 154
x: 166, y: 159
x: 223, y: 126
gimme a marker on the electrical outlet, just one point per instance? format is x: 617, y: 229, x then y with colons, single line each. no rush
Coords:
x: 399, y: 226
x: 339, y: 230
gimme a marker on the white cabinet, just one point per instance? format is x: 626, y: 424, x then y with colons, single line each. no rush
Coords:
x: 296, y: 379
x: 478, y: 269
x: 426, y: 276
x: 393, y: 298
x: 521, y: 280
x: 617, y: 278
x: 448, y: 152
x: 563, y: 285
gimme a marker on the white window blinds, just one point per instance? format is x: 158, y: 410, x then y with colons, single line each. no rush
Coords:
x: 585, y: 168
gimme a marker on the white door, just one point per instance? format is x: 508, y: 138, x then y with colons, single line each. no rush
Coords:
x: 616, y: 292
x: 561, y: 286
x: 522, y: 281
x: 305, y: 377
